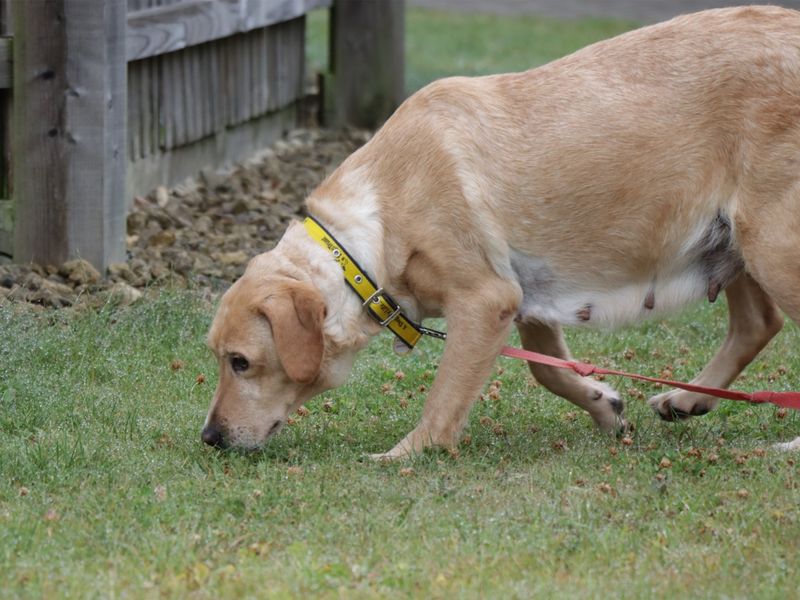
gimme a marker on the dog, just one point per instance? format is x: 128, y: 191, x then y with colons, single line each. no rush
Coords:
x: 624, y: 181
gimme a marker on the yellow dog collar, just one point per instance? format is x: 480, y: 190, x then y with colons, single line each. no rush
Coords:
x: 376, y: 301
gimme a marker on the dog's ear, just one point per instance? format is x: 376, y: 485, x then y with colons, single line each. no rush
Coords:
x: 296, y: 313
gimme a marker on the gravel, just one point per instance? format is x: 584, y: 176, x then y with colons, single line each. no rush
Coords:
x: 198, y: 234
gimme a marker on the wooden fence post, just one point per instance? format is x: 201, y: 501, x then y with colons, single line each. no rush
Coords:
x: 6, y: 219
x: 367, y: 62
x: 69, y: 138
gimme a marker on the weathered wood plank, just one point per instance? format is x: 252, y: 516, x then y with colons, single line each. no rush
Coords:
x: 174, y: 27
x: 144, y: 127
x: 6, y: 228
x: 157, y: 128
x: 6, y: 66
x: 190, y: 94
x: 260, y: 13
x: 168, y: 100
x: 100, y: 164
x: 246, y: 75
x: 298, y: 64
x: 134, y: 5
x: 6, y: 24
x: 204, y: 63
x: 40, y: 220
x: 135, y: 111
x: 163, y: 29
x: 70, y: 130
x: 273, y: 100
x: 367, y: 60
x: 215, y: 91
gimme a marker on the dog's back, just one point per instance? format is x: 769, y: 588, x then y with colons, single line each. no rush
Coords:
x: 640, y: 151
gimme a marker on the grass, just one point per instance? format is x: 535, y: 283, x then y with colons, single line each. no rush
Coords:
x: 105, y: 489
x: 475, y: 44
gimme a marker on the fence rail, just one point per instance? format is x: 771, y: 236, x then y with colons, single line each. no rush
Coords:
x: 178, y: 25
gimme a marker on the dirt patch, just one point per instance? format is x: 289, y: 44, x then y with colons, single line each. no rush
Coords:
x: 200, y: 233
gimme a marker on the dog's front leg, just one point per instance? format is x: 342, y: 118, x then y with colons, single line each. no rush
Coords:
x: 478, y: 324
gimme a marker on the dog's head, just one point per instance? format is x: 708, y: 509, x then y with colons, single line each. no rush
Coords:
x: 269, y: 342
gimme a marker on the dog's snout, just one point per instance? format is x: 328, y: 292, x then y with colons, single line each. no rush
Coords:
x: 212, y: 435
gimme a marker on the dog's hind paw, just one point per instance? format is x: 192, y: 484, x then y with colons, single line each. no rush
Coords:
x: 678, y: 404
x: 792, y: 446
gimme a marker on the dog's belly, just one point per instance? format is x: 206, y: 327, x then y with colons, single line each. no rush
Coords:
x: 701, y: 269
x: 570, y: 303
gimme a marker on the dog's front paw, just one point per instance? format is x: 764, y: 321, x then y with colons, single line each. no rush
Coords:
x: 679, y: 404
x: 387, y: 457
x: 607, y: 408
x: 415, y: 443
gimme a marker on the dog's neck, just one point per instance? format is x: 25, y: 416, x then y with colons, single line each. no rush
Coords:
x: 347, y: 324
x: 347, y: 205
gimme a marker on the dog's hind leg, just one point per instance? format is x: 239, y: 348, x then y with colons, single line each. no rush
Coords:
x: 770, y: 245
x: 753, y: 321
x: 598, y: 399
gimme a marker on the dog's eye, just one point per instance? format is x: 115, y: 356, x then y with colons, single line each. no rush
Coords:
x: 239, y: 364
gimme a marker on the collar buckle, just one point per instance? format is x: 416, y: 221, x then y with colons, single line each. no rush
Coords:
x: 374, y: 299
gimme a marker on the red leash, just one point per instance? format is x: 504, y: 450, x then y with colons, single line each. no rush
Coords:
x: 784, y: 399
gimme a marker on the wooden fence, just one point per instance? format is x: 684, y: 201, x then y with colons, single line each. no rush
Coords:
x: 106, y: 99
x: 209, y: 82
x: 113, y: 97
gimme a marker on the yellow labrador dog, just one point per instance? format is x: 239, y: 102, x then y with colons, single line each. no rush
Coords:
x: 626, y: 180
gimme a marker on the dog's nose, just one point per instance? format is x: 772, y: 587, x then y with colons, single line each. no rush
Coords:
x: 212, y: 435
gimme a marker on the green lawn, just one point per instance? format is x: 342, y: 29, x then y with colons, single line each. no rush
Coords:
x: 106, y: 490
x: 439, y: 44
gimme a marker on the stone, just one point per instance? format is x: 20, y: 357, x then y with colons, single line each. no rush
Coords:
x: 120, y: 271
x: 124, y: 294
x: 162, y: 238
x: 233, y: 258
x: 49, y: 298
x: 33, y: 281
x: 58, y: 288
x: 80, y: 271
x: 162, y: 196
